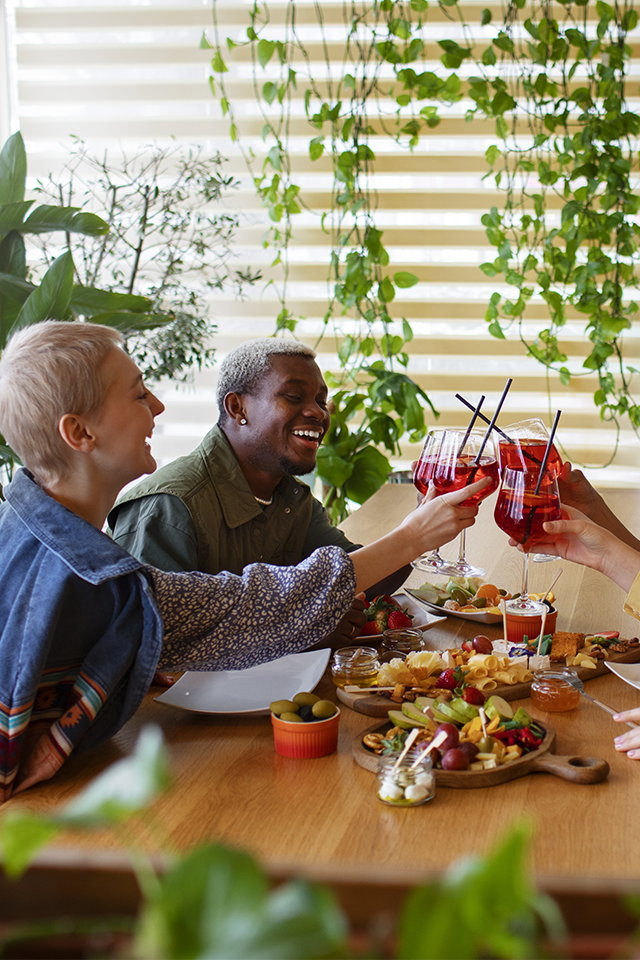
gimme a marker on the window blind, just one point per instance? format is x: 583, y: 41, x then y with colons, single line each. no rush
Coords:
x: 118, y: 74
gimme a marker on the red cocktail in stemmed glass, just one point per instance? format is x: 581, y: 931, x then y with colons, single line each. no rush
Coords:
x: 463, y: 459
x: 525, y: 450
x: 422, y: 477
x: 521, y: 512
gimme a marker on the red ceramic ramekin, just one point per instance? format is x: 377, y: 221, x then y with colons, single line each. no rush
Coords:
x: 519, y: 627
x: 305, y: 741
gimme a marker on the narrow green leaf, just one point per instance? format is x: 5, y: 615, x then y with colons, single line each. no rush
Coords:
x: 50, y: 300
x: 13, y: 170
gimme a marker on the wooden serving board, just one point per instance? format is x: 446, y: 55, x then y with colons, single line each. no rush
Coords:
x: 377, y: 705
x: 575, y: 769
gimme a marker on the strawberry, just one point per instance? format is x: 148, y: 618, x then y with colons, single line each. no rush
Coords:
x: 390, y: 601
x: 473, y: 696
x: 371, y: 628
x: 448, y: 680
x: 398, y: 620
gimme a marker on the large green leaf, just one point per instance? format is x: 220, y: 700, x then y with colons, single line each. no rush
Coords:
x: 22, y: 836
x: 90, y: 300
x: 370, y: 471
x: 45, y: 219
x: 15, y: 288
x: 12, y: 216
x: 49, y: 301
x: 123, y: 320
x: 13, y: 170
x: 215, y: 903
x: 124, y: 788
x: 333, y: 469
x: 13, y: 259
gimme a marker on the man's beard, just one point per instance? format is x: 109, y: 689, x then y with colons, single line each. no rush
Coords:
x: 294, y: 468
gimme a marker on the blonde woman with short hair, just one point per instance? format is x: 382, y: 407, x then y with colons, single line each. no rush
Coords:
x: 84, y: 625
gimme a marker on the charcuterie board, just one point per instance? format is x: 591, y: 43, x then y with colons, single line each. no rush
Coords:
x: 575, y: 769
x: 377, y: 705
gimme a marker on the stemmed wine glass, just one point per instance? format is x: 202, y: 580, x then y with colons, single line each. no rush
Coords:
x: 524, y: 450
x: 524, y: 504
x: 462, y: 459
x: 425, y: 468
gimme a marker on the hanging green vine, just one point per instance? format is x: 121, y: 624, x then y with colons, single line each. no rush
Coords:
x: 564, y: 160
x: 567, y: 160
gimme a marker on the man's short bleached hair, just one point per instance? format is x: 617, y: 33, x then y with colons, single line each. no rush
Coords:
x: 246, y: 366
x: 47, y: 370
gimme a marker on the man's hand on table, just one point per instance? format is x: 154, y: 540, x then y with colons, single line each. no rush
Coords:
x: 349, y: 627
x: 629, y: 742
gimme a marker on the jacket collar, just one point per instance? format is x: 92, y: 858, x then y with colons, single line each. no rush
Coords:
x: 234, y: 493
x: 91, y: 554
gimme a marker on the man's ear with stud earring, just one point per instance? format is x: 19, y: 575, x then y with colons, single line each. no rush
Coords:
x: 243, y: 420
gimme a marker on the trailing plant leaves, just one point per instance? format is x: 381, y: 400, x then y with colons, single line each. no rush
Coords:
x: 404, y: 280
x: 13, y: 170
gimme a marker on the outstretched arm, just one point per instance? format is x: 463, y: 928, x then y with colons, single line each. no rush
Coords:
x: 579, y: 539
x: 577, y: 492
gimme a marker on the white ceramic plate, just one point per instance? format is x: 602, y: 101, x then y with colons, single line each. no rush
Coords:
x: 422, y: 619
x: 248, y: 691
x: 629, y: 672
x: 480, y: 617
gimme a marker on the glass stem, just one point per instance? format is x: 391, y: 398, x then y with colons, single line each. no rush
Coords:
x: 525, y: 579
x: 463, y: 541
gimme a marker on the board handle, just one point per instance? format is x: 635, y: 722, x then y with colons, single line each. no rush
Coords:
x: 577, y: 769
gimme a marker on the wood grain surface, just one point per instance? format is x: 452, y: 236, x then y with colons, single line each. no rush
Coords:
x: 321, y: 818
x: 575, y: 769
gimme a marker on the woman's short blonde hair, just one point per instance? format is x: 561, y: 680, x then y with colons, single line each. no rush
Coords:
x: 47, y: 370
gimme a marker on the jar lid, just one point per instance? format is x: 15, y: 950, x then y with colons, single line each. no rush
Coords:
x: 556, y: 673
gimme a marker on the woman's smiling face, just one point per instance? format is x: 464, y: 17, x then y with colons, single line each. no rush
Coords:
x: 125, y: 421
x: 287, y: 417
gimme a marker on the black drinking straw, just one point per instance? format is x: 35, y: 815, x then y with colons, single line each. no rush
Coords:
x: 493, y: 419
x: 546, y: 453
x: 476, y: 411
x: 481, y: 416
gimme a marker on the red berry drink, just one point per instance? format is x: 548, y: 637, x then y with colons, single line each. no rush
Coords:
x: 522, y: 514
x: 448, y: 476
x: 528, y: 455
x: 424, y: 473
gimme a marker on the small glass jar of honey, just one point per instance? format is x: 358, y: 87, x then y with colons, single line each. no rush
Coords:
x: 355, y: 665
x: 398, y: 643
x: 554, y: 691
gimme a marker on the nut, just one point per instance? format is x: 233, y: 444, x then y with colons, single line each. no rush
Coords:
x: 596, y: 652
x: 618, y: 647
x: 373, y: 741
x: 634, y: 642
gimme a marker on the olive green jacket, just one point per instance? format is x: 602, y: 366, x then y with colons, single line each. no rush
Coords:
x: 198, y: 513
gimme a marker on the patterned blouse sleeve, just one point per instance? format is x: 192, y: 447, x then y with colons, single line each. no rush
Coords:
x: 230, y: 622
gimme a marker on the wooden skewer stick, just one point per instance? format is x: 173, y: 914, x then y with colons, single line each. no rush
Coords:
x: 412, y: 736
x: 437, y: 740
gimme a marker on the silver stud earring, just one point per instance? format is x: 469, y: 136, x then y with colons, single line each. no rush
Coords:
x: 242, y: 421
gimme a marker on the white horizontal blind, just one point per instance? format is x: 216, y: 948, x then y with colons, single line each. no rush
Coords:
x: 118, y: 74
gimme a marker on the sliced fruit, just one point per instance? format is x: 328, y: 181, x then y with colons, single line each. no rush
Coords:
x: 411, y: 712
x: 497, y: 707
x: 403, y: 722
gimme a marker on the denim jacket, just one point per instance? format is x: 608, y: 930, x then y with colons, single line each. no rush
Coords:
x: 80, y: 632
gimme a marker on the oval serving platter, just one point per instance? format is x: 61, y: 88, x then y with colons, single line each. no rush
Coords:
x: 575, y: 769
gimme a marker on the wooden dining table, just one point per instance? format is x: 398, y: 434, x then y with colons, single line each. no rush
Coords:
x: 321, y: 818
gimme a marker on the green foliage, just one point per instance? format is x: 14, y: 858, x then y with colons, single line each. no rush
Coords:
x: 217, y: 902
x: 564, y: 141
x: 340, y: 113
x: 166, y: 245
x: 569, y: 148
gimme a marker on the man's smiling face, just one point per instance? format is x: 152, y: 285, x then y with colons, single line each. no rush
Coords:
x: 287, y: 417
